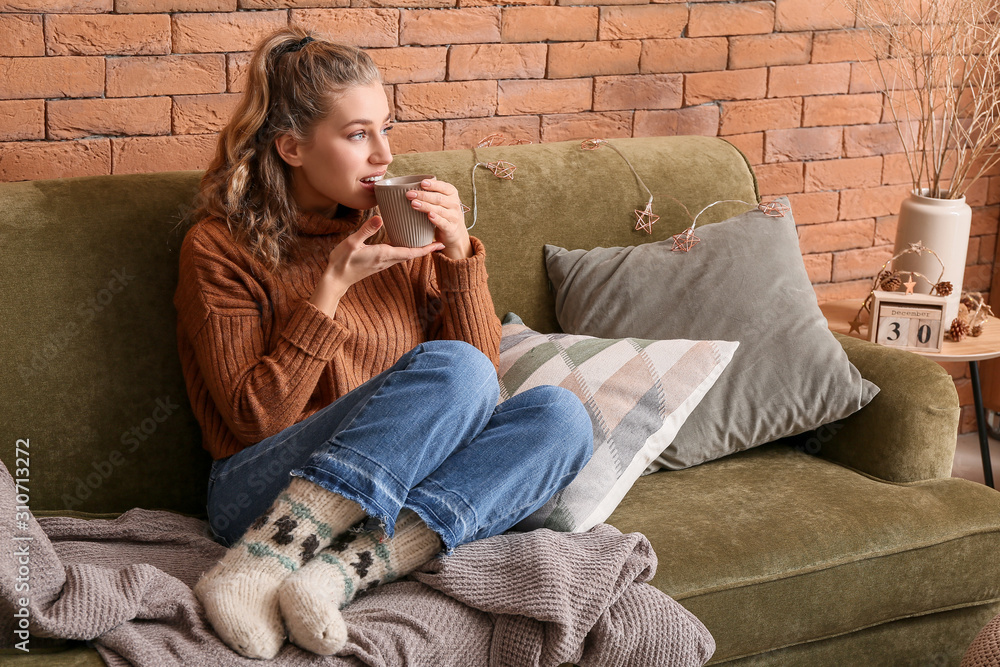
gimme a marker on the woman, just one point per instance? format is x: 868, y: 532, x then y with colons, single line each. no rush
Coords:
x: 337, y: 378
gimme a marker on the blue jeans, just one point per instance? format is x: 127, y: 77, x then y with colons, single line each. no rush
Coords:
x: 426, y: 434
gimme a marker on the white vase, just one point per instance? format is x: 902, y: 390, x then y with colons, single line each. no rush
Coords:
x: 943, y: 225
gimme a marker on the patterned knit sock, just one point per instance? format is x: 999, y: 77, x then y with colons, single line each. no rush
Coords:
x: 356, y: 562
x: 240, y: 593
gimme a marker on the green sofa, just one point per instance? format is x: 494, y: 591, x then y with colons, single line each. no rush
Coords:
x: 850, y: 545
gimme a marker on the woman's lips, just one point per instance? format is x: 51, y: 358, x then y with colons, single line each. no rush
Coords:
x: 370, y: 185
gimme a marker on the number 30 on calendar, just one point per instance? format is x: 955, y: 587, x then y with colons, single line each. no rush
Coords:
x: 907, y: 321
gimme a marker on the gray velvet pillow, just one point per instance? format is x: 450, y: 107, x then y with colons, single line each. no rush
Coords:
x: 745, y: 281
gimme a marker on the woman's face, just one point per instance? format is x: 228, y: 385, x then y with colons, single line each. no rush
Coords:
x: 346, y: 147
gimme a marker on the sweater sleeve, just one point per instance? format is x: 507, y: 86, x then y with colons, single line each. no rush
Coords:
x: 467, y: 312
x: 258, y: 389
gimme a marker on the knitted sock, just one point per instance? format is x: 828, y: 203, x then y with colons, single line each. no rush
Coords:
x: 240, y: 593
x: 356, y: 562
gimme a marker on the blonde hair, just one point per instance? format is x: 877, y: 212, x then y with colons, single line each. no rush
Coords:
x: 292, y: 83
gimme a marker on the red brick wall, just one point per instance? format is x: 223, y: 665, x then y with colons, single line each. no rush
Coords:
x: 121, y: 86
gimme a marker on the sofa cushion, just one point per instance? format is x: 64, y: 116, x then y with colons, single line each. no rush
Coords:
x: 804, y: 549
x: 637, y: 393
x: 744, y: 281
x: 932, y: 640
x: 87, y: 323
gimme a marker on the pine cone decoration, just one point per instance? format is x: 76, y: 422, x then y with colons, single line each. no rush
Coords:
x: 892, y: 284
x: 943, y: 288
x: 976, y: 330
x: 958, y: 330
x: 889, y: 281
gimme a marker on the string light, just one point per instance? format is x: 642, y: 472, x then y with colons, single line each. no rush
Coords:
x: 646, y: 217
x: 501, y: 169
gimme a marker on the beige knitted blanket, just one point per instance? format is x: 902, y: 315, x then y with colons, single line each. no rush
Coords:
x: 538, y: 598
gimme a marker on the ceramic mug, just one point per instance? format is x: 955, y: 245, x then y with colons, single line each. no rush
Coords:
x: 405, y: 226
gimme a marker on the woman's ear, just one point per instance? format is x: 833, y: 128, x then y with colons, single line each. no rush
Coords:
x: 288, y: 149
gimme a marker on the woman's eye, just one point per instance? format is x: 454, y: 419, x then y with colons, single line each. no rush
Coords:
x: 360, y: 134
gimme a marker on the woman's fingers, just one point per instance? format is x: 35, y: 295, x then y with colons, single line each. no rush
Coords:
x: 367, y: 230
x: 434, y: 185
x: 389, y: 255
x: 439, y: 208
x: 353, y: 260
x: 440, y: 201
x: 437, y: 214
x: 396, y: 254
x: 418, y: 197
x: 435, y: 192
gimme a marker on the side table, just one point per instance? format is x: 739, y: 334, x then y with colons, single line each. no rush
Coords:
x: 973, y: 350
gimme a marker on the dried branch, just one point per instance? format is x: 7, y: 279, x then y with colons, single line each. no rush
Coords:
x: 946, y: 53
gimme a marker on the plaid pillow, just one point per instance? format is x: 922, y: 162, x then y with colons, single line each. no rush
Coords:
x: 637, y: 392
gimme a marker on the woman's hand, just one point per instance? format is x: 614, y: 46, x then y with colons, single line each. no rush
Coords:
x: 439, y: 200
x: 351, y: 260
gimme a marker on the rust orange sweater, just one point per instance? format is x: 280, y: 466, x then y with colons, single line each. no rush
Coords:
x: 257, y: 356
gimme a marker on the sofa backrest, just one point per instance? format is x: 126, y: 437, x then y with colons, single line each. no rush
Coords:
x: 93, y: 382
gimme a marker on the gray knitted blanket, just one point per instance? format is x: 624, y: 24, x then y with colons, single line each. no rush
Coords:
x: 538, y: 598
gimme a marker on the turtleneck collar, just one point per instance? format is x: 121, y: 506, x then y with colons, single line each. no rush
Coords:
x: 317, y: 224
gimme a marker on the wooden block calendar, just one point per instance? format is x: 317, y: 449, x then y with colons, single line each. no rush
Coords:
x: 907, y: 321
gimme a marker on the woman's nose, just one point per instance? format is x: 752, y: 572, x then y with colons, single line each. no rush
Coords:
x: 382, y: 154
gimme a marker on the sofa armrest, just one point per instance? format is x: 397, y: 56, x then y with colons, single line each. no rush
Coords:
x: 909, y: 429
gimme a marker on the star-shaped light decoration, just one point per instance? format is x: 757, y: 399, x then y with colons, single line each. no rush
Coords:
x: 646, y: 218
x: 684, y: 241
x: 494, y: 139
x: 910, y: 284
x: 498, y: 139
x: 502, y: 169
x: 918, y: 248
x: 591, y: 144
x: 855, y: 325
x: 773, y: 209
